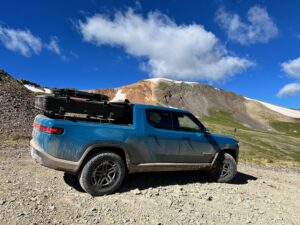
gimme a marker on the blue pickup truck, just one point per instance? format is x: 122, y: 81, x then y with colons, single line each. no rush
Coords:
x: 150, y: 138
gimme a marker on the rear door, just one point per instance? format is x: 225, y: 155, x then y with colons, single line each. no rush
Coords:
x: 195, y: 145
x: 161, y: 139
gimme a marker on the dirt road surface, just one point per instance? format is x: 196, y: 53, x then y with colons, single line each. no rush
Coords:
x: 32, y: 194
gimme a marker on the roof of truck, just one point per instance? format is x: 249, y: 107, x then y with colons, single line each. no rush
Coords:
x: 160, y: 107
x: 147, y: 106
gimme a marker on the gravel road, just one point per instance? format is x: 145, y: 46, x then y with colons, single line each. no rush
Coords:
x: 32, y: 194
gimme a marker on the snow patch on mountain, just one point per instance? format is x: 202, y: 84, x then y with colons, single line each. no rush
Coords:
x: 37, y: 89
x: 47, y: 91
x: 32, y: 88
x: 282, y: 110
x: 119, y: 97
x: 157, y: 80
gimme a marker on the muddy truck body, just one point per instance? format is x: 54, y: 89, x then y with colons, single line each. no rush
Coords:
x: 102, y: 149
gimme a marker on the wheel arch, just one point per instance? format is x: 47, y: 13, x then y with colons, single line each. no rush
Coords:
x: 218, y: 156
x: 231, y: 152
x: 96, y: 149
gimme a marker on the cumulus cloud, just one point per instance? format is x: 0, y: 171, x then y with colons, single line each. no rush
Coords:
x: 291, y: 89
x: 259, y: 27
x: 20, y: 41
x: 167, y: 49
x: 292, y: 68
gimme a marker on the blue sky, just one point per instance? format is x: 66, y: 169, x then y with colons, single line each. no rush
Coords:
x: 248, y: 47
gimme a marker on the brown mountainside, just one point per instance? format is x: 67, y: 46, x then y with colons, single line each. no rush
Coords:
x: 201, y: 99
x: 17, y: 102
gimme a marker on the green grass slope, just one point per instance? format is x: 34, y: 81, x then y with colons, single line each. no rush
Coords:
x: 280, y: 148
x: 291, y: 129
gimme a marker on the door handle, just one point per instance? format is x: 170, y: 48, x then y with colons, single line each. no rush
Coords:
x: 186, y: 138
x: 154, y: 137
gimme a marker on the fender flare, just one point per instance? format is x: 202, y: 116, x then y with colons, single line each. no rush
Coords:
x: 225, y: 149
x: 92, y: 147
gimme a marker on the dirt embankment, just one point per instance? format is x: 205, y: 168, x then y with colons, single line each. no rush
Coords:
x: 32, y: 194
x: 16, y: 107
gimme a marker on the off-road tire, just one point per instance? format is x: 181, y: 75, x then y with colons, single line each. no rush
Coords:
x: 225, y: 169
x: 98, y: 171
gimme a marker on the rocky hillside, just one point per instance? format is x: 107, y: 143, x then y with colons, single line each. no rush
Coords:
x: 17, y: 107
x: 203, y: 100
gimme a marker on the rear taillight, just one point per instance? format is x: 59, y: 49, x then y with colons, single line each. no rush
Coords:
x: 50, y: 130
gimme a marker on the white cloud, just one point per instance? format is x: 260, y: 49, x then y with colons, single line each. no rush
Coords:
x: 292, y: 67
x: 20, y: 41
x: 259, y: 28
x: 169, y: 50
x: 54, y: 47
x: 27, y: 44
x: 291, y: 89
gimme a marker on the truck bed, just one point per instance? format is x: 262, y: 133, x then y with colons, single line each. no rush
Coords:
x: 76, y: 136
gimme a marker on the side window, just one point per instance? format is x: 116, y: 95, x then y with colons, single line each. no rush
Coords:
x: 159, y: 119
x: 185, y: 122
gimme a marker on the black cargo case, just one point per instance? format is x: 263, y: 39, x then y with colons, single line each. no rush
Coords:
x: 83, y: 105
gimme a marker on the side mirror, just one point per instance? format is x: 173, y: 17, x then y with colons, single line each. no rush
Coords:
x: 206, y: 131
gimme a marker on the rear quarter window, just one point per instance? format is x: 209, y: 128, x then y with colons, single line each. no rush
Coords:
x: 159, y: 119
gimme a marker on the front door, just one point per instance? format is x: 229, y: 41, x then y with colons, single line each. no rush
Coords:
x: 195, y: 145
x: 161, y: 140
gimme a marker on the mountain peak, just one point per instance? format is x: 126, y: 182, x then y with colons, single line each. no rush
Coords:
x: 4, y: 75
x: 157, y: 80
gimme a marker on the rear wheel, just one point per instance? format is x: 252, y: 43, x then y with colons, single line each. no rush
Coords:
x: 225, y: 169
x: 103, y: 174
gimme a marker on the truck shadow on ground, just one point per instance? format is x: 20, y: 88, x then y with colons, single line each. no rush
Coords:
x: 144, y: 181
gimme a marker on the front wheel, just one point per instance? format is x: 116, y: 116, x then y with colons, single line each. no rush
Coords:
x: 103, y: 174
x: 225, y: 169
